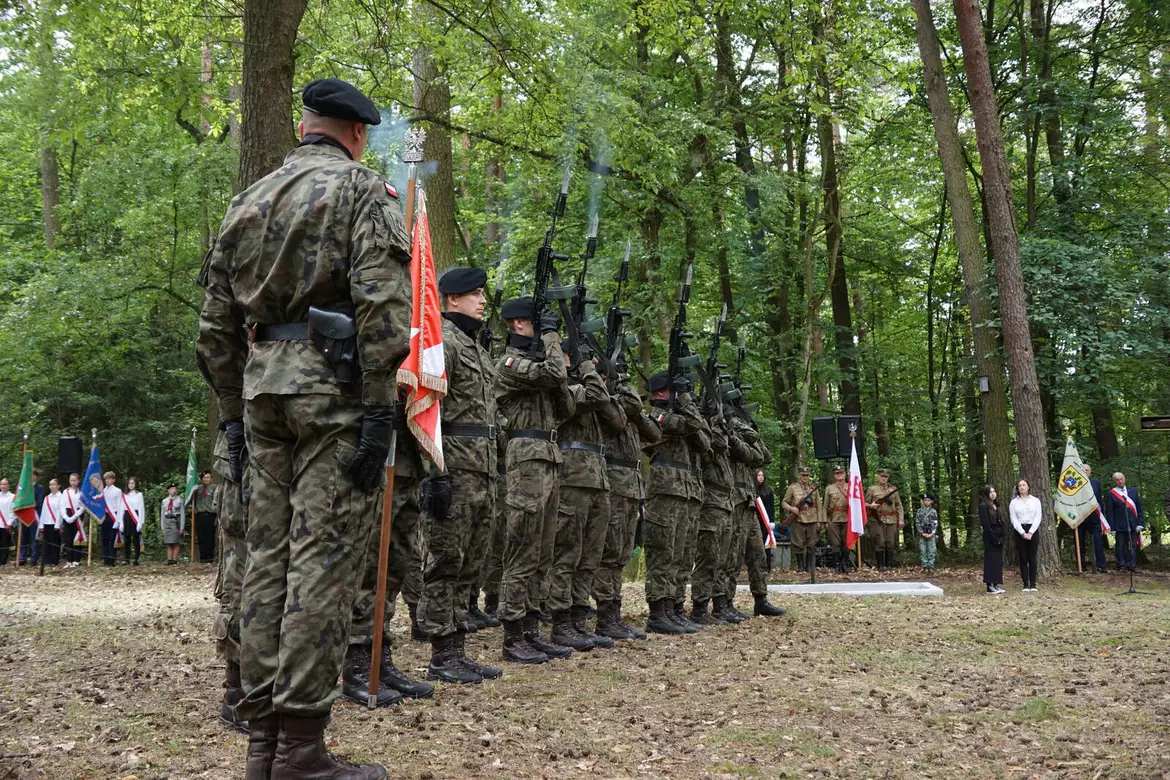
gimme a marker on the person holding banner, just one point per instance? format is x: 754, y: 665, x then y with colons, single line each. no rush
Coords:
x: 30, y: 547
x: 1127, y: 518
x: 73, y: 525
x: 49, y: 523
x: 7, y: 520
x: 1094, y: 529
x: 306, y: 315
x: 991, y: 519
x: 206, y: 501
x: 1026, y: 515
x: 133, y: 520
x: 112, y: 520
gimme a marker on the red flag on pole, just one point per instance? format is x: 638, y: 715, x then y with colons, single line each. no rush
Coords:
x: 857, y: 518
x: 424, y: 372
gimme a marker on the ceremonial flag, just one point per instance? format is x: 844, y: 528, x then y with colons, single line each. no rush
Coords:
x: 91, y: 487
x: 769, y: 537
x: 424, y: 371
x: 192, y: 474
x: 857, y: 517
x: 1074, y: 499
x: 24, y: 505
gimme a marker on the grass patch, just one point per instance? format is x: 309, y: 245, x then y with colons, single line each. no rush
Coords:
x: 1038, y: 709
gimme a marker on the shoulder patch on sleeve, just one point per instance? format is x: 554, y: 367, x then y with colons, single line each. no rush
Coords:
x: 393, y: 193
x: 510, y: 361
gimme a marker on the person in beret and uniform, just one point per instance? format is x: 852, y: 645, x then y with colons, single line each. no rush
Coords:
x: 883, y: 501
x: 306, y: 315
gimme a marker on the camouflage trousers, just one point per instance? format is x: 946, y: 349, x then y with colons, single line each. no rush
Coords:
x: 308, y: 532
x: 493, y: 567
x: 582, y: 522
x: 684, y: 548
x: 529, y: 532
x: 229, y: 578
x: 404, y: 569
x: 455, y: 553
x: 747, y: 547
x: 665, y: 515
x: 619, y: 546
x: 714, y: 536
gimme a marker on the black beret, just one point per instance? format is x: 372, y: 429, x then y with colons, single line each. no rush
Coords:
x: 517, y: 308
x: 659, y: 381
x: 456, y: 281
x: 926, y: 496
x: 340, y: 100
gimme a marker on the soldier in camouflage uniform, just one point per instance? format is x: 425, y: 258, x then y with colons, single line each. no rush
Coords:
x: 836, y: 516
x: 670, y: 486
x: 233, y: 555
x: 321, y: 239
x: 493, y: 568
x: 714, y: 525
x: 583, y: 514
x: 458, y: 514
x: 533, y: 398
x: 623, y: 459
x: 803, y: 500
x: 688, y: 532
x: 885, y: 506
x: 748, y: 453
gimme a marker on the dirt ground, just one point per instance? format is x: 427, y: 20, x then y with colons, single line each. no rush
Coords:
x: 112, y: 674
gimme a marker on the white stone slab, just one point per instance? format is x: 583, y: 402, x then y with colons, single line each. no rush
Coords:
x: 858, y: 589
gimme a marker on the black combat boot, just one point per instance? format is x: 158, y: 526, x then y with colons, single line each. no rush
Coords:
x: 678, y: 613
x: 491, y: 604
x: 700, y: 615
x: 301, y: 754
x: 262, y: 739
x: 473, y: 666
x: 416, y: 632
x: 577, y: 616
x: 881, y: 559
x: 233, y: 693
x: 355, y: 679
x: 636, y: 633
x: 719, y: 611
x: 609, y: 622
x: 659, y: 622
x: 516, y: 647
x: 478, y: 616
x: 764, y: 609
x: 531, y: 625
x: 445, y: 663
x: 564, y: 633
x: 390, y: 676
x: 734, y: 615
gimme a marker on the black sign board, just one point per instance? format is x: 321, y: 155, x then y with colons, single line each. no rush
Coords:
x: 1156, y: 423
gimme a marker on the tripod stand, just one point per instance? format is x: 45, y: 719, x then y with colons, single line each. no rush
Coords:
x: 1130, y: 554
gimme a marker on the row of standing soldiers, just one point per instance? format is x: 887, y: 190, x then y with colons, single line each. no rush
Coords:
x: 306, y: 318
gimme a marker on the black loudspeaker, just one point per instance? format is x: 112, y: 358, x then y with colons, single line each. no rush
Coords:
x: 69, y: 455
x: 825, y: 443
x: 843, y: 445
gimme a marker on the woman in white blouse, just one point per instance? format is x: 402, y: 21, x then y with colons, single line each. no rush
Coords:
x: 133, y: 520
x: 1026, y: 517
x: 52, y: 515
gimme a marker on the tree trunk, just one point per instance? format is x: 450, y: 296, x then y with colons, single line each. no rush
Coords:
x: 432, y: 98
x: 50, y: 193
x: 988, y: 364
x: 494, y: 188
x: 1009, y: 275
x: 266, y: 132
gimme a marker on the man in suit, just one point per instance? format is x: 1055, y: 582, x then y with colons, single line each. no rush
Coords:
x: 1092, y: 531
x: 1123, y: 511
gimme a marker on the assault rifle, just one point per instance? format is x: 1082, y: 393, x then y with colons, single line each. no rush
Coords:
x: 615, y: 320
x: 736, y: 396
x: 680, y: 356
x: 487, y: 334
x: 545, y: 270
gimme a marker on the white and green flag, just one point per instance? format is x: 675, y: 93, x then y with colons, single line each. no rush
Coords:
x: 192, y: 473
x: 1074, y: 494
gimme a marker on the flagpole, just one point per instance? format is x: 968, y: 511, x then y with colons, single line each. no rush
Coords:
x: 853, y: 439
x: 89, y: 541
x: 1077, y: 541
x: 412, y: 155
x: 191, y: 555
x: 19, y: 522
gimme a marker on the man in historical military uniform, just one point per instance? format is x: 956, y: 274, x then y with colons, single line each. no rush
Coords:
x: 533, y: 398
x: 884, y: 502
x: 458, y: 505
x: 715, y: 525
x: 803, y: 500
x: 748, y: 453
x: 583, y: 514
x: 313, y: 260
x: 623, y: 460
x: 836, y: 517
x: 668, y: 489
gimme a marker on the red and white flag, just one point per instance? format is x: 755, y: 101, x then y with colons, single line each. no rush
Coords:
x: 424, y: 371
x: 856, y: 528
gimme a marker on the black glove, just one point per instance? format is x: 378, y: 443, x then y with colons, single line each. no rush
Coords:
x: 435, y: 496
x: 236, y: 447
x: 369, y: 461
x: 549, y: 322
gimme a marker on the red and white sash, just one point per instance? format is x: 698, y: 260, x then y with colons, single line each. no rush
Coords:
x: 134, y: 517
x: 1129, y: 504
x: 77, y: 521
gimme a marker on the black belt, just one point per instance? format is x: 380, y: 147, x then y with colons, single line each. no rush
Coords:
x: 621, y: 463
x: 671, y: 464
x: 470, y: 431
x: 532, y: 433
x: 285, y: 331
x: 584, y: 446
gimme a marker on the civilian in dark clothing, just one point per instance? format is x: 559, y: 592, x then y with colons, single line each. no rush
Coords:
x: 764, y: 491
x: 993, y: 528
x: 1127, y: 518
x: 1092, y: 536
x: 205, y: 519
x: 30, y: 545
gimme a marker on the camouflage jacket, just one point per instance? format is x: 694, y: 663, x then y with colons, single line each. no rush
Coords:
x: 470, y: 400
x: 836, y: 508
x: 672, y: 471
x: 595, y: 416
x: 748, y: 454
x: 319, y: 231
x: 717, y: 473
x: 533, y: 394
x: 623, y: 449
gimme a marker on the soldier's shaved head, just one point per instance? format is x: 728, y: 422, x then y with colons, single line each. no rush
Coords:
x: 351, y: 135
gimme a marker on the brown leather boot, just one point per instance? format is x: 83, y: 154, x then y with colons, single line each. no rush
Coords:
x: 233, y: 694
x: 262, y: 740
x: 301, y: 754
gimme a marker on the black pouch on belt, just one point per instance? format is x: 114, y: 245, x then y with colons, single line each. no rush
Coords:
x: 335, y: 334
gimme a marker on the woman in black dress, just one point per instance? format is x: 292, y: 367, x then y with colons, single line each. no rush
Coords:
x: 993, y: 527
x: 764, y: 491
